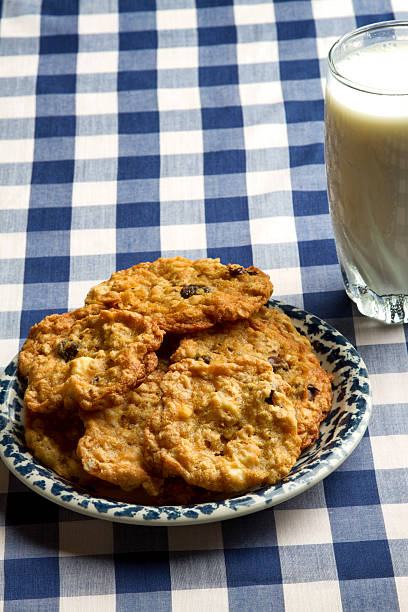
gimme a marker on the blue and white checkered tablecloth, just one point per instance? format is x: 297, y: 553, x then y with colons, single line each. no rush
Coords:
x: 132, y: 129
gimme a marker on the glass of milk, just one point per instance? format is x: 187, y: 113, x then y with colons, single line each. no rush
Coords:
x: 366, y: 149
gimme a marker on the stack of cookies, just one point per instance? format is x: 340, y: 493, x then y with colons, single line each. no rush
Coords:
x: 173, y: 384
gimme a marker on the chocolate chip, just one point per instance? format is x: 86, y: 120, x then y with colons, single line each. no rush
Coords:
x: 235, y: 270
x: 95, y: 380
x: 190, y: 290
x: 67, y: 350
x: 252, y: 272
x: 269, y: 399
x: 206, y: 358
x: 313, y: 391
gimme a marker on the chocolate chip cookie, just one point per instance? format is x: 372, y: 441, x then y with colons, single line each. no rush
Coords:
x: 224, y: 426
x: 89, y: 357
x: 53, y: 440
x: 270, y: 335
x: 183, y: 295
x: 112, y: 446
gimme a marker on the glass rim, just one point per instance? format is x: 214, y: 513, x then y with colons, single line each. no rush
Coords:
x: 380, y: 25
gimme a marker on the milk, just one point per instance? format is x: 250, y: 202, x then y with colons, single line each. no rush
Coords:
x: 366, y: 149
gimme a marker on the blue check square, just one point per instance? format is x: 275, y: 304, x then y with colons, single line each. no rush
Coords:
x: 290, y: 30
x: 370, y: 559
x: 222, y: 118
x: 142, y: 572
x: 250, y: 566
x: 294, y: 70
x: 40, y: 579
x: 221, y: 35
x: 218, y: 75
x: 351, y: 488
x: 224, y: 162
x: 55, y: 127
x: 139, y: 123
x: 56, y: 84
x: 49, y: 219
x: 129, y: 80
x: 59, y: 43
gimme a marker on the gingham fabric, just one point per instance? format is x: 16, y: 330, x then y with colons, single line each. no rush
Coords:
x: 132, y: 129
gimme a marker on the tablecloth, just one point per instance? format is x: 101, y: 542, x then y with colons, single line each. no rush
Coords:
x: 132, y: 129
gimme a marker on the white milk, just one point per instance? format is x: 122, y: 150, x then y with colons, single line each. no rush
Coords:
x: 367, y: 166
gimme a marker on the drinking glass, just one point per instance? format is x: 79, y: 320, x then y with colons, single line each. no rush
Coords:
x: 366, y: 150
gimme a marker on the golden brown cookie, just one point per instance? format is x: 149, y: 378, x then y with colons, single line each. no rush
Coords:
x: 183, y: 295
x: 270, y: 335
x: 112, y: 446
x: 89, y: 357
x: 53, y: 439
x: 227, y: 426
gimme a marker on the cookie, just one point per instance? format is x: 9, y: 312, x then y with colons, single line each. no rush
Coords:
x: 183, y: 295
x: 53, y: 438
x: 111, y: 448
x: 90, y: 357
x: 227, y: 426
x: 270, y: 335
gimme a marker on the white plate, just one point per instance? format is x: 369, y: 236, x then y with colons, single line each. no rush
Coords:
x: 340, y: 434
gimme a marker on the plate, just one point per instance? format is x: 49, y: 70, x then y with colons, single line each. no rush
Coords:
x: 339, y: 435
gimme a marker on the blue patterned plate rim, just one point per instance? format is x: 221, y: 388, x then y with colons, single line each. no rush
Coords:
x: 339, y: 435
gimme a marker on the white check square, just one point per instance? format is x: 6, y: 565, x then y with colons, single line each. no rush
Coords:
x: 101, y: 61
x: 322, y: 596
x: 13, y: 245
x: 305, y: 526
x: 181, y: 143
x: 260, y: 52
x: 260, y: 93
x: 16, y: 151
x: 390, y: 452
x: 176, y: 19
x: 98, y: 23
x: 98, y: 103
x: 96, y: 147
x: 390, y: 388
x: 201, y: 600
x: 330, y: 9
x: 94, y: 193
x: 15, y: 196
x: 395, y: 521
x: 180, y: 98
x: 93, y: 241
x: 267, y: 181
x: 272, y: 230
x: 265, y: 136
x: 11, y: 296
x: 21, y: 26
x: 183, y: 237
x: 13, y: 107
x: 181, y: 188
x: 18, y: 65
x: 246, y: 14
x: 177, y: 57
x: 84, y: 603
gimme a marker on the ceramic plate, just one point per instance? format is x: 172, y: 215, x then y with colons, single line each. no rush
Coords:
x: 339, y: 435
